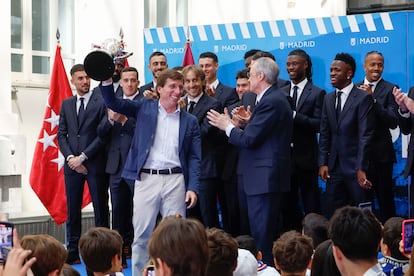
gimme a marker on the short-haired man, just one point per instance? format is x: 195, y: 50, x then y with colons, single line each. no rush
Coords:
x: 157, y: 64
x: 356, y: 234
x: 226, y: 95
x: 164, y: 158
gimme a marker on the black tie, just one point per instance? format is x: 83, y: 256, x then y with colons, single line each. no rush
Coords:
x: 191, y: 108
x: 294, y: 97
x: 338, y: 103
x: 81, y: 111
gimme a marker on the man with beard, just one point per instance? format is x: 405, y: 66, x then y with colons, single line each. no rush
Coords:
x: 157, y: 63
x: 347, y: 125
x: 306, y: 100
x: 382, y: 153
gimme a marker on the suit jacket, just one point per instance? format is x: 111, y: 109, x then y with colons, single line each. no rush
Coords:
x: 75, y: 138
x: 119, y: 140
x: 386, y: 118
x: 147, y: 86
x: 306, y: 125
x: 345, y: 142
x: 210, y: 135
x: 407, y: 127
x: 226, y: 95
x: 264, y: 160
x: 146, y: 111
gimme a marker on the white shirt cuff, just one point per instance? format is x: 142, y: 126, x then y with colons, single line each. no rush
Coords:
x: 228, y: 129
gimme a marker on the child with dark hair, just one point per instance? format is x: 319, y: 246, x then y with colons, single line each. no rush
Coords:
x: 247, y: 242
x: 223, y: 250
x: 323, y: 262
x: 394, y: 262
x: 292, y: 253
x: 101, y: 250
x: 315, y: 226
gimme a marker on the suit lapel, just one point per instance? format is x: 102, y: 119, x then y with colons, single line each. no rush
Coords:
x: 182, y: 128
x: 305, y: 93
x: 348, y: 104
x: 331, y: 111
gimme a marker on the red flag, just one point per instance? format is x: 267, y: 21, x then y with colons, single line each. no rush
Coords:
x: 46, y: 175
x: 188, y: 55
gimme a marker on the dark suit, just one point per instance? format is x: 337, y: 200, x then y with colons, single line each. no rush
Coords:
x: 264, y: 167
x: 73, y: 139
x: 119, y: 139
x: 343, y: 147
x: 226, y: 95
x: 209, y: 178
x: 148, y: 86
x: 304, y: 151
x: 407, y: 127
x: 382, y: 153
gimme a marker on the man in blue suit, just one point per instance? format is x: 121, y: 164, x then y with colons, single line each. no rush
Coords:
x: 382, y: 153
x: 306, y: 100
x: 347, y: 126
x: 119, y: 131
x: 264, y: 160
x: 84, y: 153
x: 164, y: 158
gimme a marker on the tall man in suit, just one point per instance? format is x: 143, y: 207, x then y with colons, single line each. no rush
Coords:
x: 347, y: 125
x: 164, y: 158
x: 382, y: 153
x: 84, y: 153
x: 264, y: 160
x: 226, y: 95
x: 119, y: 131
x: 198, y: 103
x: 157, y: 63
x: 306, y: 100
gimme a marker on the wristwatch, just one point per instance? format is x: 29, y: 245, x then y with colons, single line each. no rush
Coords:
x: 82, y: 158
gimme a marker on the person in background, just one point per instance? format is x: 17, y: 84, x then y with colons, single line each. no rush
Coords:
x: 306, y: 100
x: 315, y: 226
x: 323, y: 262
x: 223, y: 253
x: 157, y: 64
x: 84, y: 152
x: 382, y: 153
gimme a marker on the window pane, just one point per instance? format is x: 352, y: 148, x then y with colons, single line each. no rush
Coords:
x: 16, y: 63
x: 40, y: 65
x: 66, y: 25
x: 16, y: 24
x: 40, y: 28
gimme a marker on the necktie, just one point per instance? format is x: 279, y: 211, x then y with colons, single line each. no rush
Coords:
x: 294, y: 97
x: 191, y: 108
x: 338, y: 103
x: 81, y: 111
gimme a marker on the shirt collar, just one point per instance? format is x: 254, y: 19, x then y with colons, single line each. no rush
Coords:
x: 300, y: 85
x: 347, y: 89
x: 131, y: 97
x: 196, y: 99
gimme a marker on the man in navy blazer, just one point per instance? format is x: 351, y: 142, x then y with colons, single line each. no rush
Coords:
x: 345, y: 136
x: 382, y: 153
x: 164, y: 158
x: 264, y: 160
x: 306, y: 100
x: 119, y: 130
x: 84, y: 153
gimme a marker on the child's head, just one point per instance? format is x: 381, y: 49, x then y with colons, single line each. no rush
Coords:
x: 101, y: 249
x: 68, y: 270
x: 249, y: 243
x: 315, y: 226
x: 50, y: 253
x: 391, y: 237
x: 292, y: 252
x: 223, y: 252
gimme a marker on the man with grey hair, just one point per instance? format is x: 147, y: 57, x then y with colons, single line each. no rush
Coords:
x: 264, y: 161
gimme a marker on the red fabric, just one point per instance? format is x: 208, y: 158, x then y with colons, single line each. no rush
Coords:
x: 188, y: 55
x: 126, y: 63
x: 46, y: 175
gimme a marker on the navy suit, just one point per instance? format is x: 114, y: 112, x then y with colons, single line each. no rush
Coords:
x: 226, y: 95
x: 382, y: 153
x: 343, y: 147
x: 119, y: 141
x: 148, y: 86
x: 264, y: 167
x: 146, y: 110
x: 209, y: 167
x: 73, y: 139
x: 304, y: 151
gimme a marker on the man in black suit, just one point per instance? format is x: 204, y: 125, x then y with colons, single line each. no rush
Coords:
x: 84, y: 153
x: 307, y: 101
x: 382, y: 153
x: 157, y: 63
x: 347, y: 125
x: 264, y: 160
x: 198, y: 103
x: 119, y: 130
x: 226, y: 95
